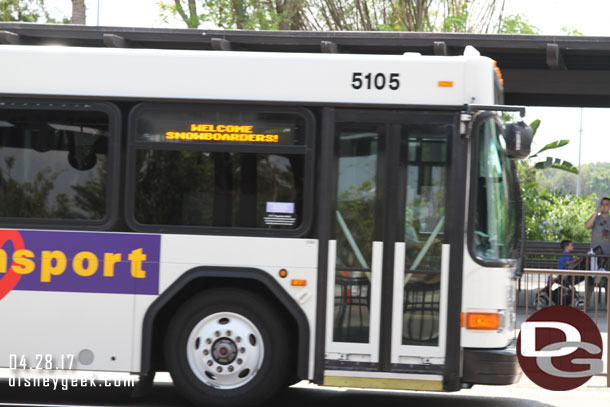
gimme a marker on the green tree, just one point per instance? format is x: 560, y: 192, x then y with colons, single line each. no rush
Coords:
x: 239, y: 14
x: 558, y: 181
x: 29, y: 11
x: 571, y: 31
x: 368, y: 15
x: 530, y: 168
x: 596, y: 182
x: 516, y: 24
x: 554, y: 216
x: 593, y: 180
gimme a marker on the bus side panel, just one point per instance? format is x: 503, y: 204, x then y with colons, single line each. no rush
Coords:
x: 488, y: 289
x: 70, y: 296
x: 62, y: 324
x: 180, y: 253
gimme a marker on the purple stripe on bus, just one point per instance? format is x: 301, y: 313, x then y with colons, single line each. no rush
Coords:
x: 137, y: 272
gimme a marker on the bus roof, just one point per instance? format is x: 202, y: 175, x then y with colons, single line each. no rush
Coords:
x: 302, y: 78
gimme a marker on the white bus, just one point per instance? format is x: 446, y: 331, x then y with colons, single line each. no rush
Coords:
x: 247, y: 220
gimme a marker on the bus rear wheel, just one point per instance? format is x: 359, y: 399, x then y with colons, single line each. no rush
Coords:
x: 227, y: 347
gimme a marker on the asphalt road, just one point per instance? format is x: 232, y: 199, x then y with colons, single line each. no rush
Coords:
x: 306, y: 395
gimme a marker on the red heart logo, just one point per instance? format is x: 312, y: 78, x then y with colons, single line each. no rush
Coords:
x: 10, y: 279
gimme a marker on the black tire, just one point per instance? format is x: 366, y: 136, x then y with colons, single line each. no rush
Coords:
x: 275, y: 367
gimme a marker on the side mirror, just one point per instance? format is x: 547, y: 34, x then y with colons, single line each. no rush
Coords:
x: 518, y: 137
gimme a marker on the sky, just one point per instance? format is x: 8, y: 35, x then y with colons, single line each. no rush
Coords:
x: 590, y: 17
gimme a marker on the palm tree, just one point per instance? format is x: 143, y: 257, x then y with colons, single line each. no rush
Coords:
x: 78, y: 12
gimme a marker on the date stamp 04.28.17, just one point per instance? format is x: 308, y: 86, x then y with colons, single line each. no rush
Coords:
x: 59, y: 372
x: 41, y: 362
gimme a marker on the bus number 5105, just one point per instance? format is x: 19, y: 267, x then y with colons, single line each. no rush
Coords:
x: 378, y: 80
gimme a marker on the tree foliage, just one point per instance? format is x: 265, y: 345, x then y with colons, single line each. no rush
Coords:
x: 29, y: 11
x: 554, y: 216
x: 594, y: 180
x: 551, y: 214
x: 517, y: 24
x: 481, y: 16
x: 39, y: 197
x: 571, y: 31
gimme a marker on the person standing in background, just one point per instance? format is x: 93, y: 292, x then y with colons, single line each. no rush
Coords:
x: 599, y: 223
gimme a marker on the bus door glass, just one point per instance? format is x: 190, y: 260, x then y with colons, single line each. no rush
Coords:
x: 355, y: 251
x: 421, y: 254
x: 388, y: 250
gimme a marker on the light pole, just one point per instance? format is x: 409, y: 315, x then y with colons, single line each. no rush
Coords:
x: 98, y: 12
x: 579, y: 148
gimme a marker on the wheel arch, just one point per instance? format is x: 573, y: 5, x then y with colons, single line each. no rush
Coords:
x: 205, y: 277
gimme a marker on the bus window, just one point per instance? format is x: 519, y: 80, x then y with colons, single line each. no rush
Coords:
x: 355, y: 227
x: 494, y: 221
x: 425, y: 194
x: 53, y: 164
x: 219, y: 166
x: 425, y: 162
x: 223, y: 189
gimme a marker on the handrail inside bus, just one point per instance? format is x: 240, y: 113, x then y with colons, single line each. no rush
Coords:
x: 426, y: 247
x: 351, y: 241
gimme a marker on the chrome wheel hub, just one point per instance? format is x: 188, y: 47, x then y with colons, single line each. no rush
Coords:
x: 225, y: 350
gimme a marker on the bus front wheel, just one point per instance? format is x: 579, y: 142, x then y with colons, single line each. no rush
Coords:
x: 227, y: 347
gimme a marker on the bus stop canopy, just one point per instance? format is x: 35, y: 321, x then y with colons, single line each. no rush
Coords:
x: 538, y: 70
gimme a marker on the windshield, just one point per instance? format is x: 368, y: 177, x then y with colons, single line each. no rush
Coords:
x: 495, y: 210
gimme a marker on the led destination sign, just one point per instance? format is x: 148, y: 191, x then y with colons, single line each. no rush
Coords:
x: 222, y: 132
x: 226, y: 126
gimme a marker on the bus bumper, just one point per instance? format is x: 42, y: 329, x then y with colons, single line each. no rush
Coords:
x: 491, y: 366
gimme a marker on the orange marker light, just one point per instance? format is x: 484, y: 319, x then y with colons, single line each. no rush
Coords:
x: 461, y: 319
x: 482, y: 320
x: 283, y: 273
x: 299, y: 283
x: 445, y: 84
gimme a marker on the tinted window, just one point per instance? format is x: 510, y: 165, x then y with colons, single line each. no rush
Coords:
x: 424, y: 156
x: 53, y: 164
x: 355, y: 228
x: 495, y: 220
x: 198, y: 188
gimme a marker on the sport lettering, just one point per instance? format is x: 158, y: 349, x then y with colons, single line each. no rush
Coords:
x: 23, y: 264
x: 84, y: 262
x: 54, y: 263
x: 46, y: 265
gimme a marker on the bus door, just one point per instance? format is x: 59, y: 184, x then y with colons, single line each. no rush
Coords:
x: 389, y: 247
